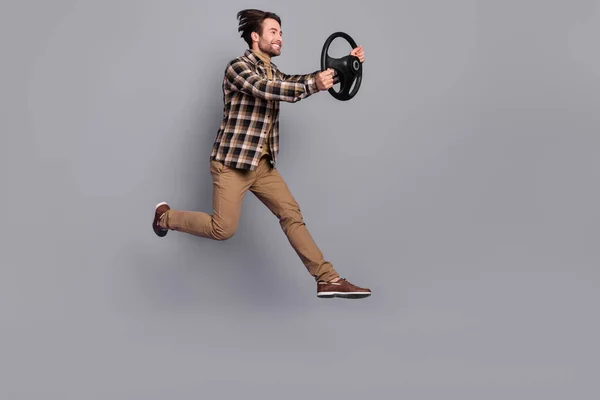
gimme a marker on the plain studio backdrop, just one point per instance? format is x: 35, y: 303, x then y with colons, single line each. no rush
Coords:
x: 460, y: 185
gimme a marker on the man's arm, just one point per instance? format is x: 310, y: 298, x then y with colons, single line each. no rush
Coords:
x: 241, y: 78
x: 305, y: 77
x: 298, y: 78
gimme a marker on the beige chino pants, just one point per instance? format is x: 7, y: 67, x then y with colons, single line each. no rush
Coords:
x: 230, y: 185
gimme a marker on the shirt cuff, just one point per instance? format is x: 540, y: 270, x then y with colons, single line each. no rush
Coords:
x: 311, y: 85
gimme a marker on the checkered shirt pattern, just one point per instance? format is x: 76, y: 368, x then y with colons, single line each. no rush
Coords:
x: 251, y: 108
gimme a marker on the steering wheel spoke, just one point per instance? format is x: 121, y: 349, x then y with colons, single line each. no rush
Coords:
x: 335, y: 63
x: 345, y: 86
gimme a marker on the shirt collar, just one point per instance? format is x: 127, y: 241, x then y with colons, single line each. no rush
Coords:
x: 255, y: 59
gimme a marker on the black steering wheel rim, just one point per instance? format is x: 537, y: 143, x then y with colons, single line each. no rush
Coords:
x: 349, y: 68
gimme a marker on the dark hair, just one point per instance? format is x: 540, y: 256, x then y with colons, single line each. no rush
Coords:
x: 251, y: 21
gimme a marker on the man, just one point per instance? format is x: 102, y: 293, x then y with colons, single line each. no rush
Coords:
x: 246, y: 148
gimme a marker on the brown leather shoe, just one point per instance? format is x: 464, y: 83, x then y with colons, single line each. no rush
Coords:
x: 159, y: 210
x: 342, y: 288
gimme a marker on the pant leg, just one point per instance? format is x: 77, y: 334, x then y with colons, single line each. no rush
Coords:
x: 271, y: 189
x: 229, y: 188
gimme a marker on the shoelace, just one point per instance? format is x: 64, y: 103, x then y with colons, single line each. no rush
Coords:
x: 349, y: 284
x: 339, y: 281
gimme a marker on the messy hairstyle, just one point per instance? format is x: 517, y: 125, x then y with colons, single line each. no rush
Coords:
x: 251, y: 21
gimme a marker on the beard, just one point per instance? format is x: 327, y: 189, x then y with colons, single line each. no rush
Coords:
x: 270, y: 49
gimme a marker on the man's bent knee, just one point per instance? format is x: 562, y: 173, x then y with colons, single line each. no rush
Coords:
x: 223, y: 234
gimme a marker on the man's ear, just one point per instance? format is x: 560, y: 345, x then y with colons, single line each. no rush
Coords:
x: 254, y: 36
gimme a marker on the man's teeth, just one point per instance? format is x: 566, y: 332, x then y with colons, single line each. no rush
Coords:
x: 276, y: 46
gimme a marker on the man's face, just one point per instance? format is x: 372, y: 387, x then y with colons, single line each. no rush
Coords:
x: 270, y: 41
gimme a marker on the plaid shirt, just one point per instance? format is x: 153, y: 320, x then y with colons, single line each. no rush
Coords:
x: 251, y: 108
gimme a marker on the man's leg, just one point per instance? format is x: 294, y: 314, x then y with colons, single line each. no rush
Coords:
x: 229, y: 187
x: 271, y: 189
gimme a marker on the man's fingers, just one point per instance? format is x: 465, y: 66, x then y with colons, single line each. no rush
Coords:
x: 326, y: 77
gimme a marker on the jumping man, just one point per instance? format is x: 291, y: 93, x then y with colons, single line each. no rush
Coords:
x: 245, y: 151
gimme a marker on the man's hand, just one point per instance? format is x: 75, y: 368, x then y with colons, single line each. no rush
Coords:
x: 325, y: 79
x: 358, y: 52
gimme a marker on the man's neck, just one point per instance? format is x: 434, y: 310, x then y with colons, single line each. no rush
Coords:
x: 262, y: 55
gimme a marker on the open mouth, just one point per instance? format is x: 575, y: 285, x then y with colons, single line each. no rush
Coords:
x: 276, y: 46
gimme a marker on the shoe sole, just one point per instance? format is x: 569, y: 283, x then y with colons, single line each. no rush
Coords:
x: 158, y: 232
x: 348, y: 295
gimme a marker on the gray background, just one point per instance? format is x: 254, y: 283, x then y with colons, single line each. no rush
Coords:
x: 460, y: 185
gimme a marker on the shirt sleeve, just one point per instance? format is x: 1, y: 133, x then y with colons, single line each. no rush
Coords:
x: 308, y: 77
x: 242, y: 78
x: 298, y: 78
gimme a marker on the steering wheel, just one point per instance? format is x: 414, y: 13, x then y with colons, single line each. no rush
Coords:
x: 349, y: 68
